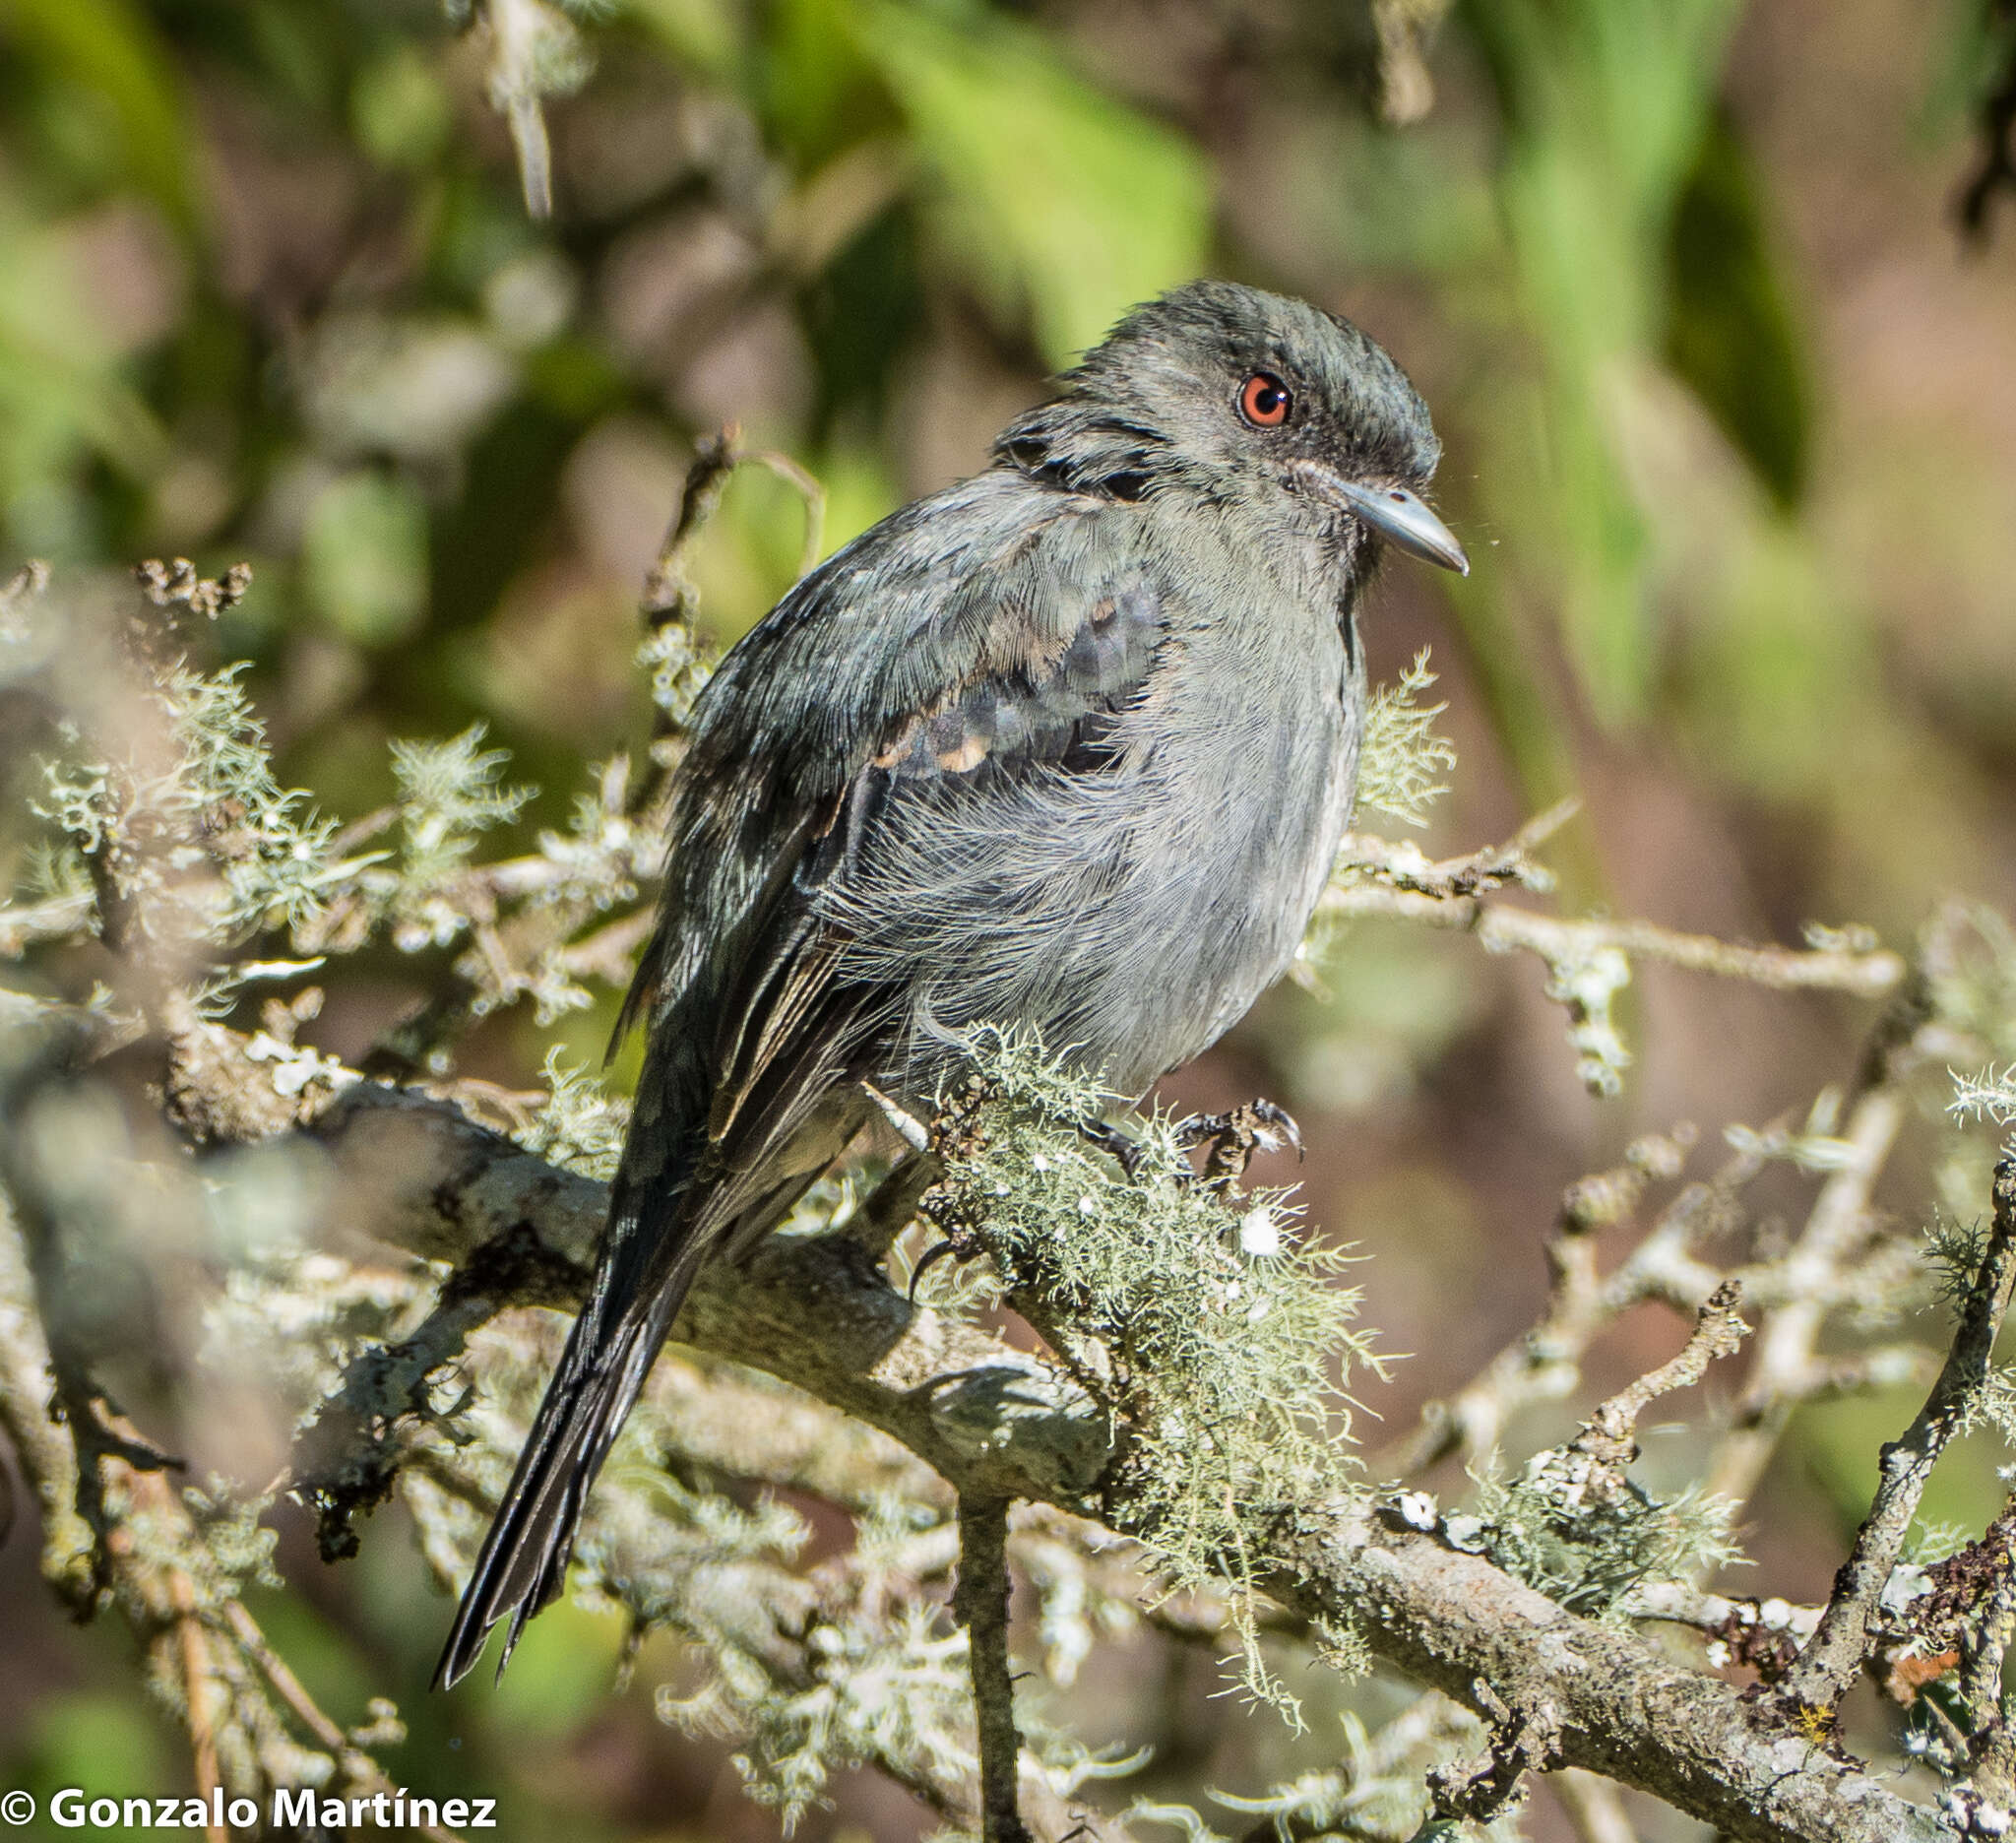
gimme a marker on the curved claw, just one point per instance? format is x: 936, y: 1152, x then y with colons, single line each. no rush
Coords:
x: 1233, y: 1138
x: 1269, y: 1127
x: 1275, y: 1127
x: 930, y: 1257
x: 1118, y: 1146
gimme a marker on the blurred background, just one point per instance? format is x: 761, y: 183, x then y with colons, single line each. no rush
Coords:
x: 1727, y: 391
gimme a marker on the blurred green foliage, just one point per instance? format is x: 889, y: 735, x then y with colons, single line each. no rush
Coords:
x: 268, y: 287
x: 1732, y: 332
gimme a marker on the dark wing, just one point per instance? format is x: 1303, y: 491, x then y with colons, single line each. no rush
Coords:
x: 871, y: 685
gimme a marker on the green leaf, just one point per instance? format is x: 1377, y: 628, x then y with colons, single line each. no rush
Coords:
x: 1730, y: 332
x: 1070, y: 207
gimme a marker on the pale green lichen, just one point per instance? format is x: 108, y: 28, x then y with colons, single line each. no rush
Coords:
x: 1586, y: 1537
x: 1218, y: 1336
x: 1402, y: 755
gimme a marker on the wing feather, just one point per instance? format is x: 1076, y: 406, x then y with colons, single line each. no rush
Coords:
x: 872, y: 687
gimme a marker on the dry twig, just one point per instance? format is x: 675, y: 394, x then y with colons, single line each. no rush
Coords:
x: 980, y: 1602
x: 1831, y: 1662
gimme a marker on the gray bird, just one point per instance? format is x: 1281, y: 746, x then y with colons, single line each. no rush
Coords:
x: 1068, y: 745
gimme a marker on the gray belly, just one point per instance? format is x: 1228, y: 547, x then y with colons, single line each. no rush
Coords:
x: 1132, y: 917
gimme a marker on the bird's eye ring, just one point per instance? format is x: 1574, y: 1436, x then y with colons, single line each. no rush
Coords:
x: 1264, y: 400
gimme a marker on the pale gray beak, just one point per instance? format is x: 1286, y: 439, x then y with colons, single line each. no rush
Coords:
x: 1400, y: 517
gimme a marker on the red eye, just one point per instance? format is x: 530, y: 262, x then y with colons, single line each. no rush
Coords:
x: 1264, y: 400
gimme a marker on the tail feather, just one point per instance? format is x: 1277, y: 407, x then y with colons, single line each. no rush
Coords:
x: 523, y: 1560
x: 607, y: 1361
x: 678, y: 1202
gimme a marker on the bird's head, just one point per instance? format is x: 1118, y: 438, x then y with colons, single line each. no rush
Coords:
x: 1230, y: 391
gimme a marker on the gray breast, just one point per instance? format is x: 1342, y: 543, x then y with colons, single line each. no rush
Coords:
x: 1123, y: 852
x: 1134, y: 915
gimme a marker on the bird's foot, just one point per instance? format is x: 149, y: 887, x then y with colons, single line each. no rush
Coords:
x: 1233, y: 1138
x: 1122, y: 1148
x: 930, y: 1257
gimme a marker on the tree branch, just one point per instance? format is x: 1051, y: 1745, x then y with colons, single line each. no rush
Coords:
x: 998, y: 1422
x: 980, y: 1602
x: 1831, y: 1662
x: 1610, y: 1437
x: 1864, y: 971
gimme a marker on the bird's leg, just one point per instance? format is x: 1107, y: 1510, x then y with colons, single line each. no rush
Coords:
x: 1233, y: 1138
x: 955, y: 1129
x: 892, y: 1206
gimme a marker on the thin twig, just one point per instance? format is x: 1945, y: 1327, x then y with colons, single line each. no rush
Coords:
x: 1544, y: 1363
x: 517, y: 28
x: 1866, y: 973
x: 294, y: 1694
x: 1784, y: 1354
x: 1982, y: 1659
x: 1610, y: 1437
x: 1831, y: 1662
x: 246, y: 1629
x: 1401, y: 865
x: 668, y: 591
x: 196, y: 1681
x: 810, y: 490
x: 1676, y: 1602
x: 980, y: 1602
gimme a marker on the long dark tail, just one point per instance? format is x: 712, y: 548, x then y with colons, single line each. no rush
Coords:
x: 662, y: 1231
x: 675, y: 1205
x: 524, y: 1560
x: 650, y: 1250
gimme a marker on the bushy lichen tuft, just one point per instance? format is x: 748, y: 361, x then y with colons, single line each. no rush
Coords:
x: 579, y: 1124
x: 199, y: 839
x: 1586, y: 1536
x: 450, y: 792
x: 882, y: 1677
x: 1402, y: 755
x: 1989, y: 1097
x: 1218, y: 1335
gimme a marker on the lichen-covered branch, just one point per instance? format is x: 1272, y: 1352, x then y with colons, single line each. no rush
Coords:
x: 1832, y: 1263
x: 1860, y: 971
x: 1188, y: 1396
x: 1831, y: 1661
x: 1610, y: 1437
x: 1588, y: 959
x: 1000, y: 1421
x: 174, y: 1562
